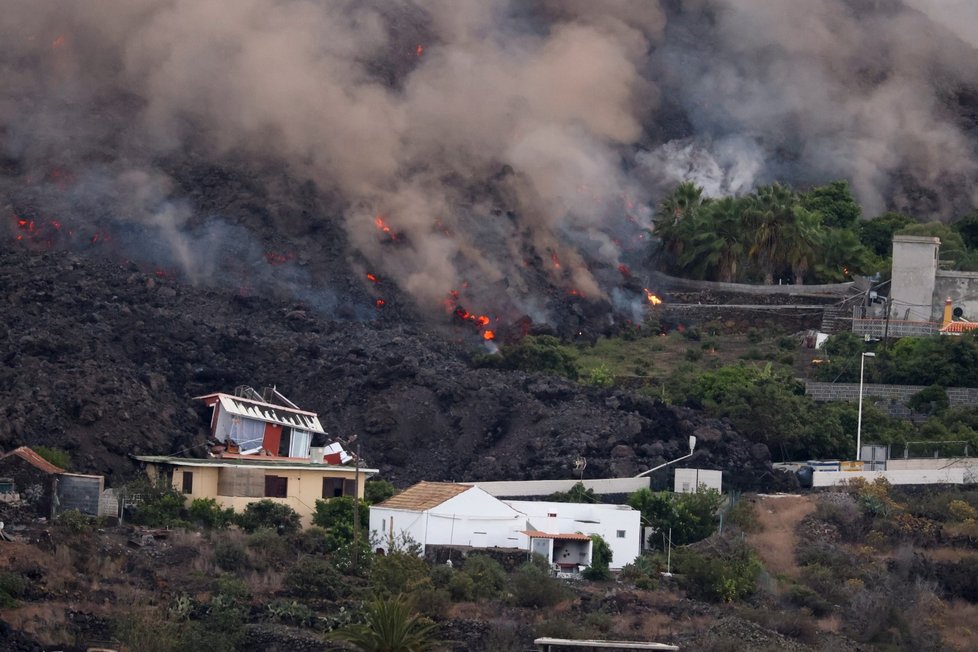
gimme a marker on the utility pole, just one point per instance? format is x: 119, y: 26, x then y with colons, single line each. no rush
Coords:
x: 356, y: 511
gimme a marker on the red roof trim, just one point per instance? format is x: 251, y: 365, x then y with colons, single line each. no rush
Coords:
x: 32, y: 458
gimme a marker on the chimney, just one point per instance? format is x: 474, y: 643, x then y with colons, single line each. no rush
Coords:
x: 947, y: 312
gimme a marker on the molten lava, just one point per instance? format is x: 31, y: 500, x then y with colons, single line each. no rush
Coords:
x: 419, y: 51
x: 371, y: 277
x: 379, y: 303
x: 555, y: 259
x: 383, y: 226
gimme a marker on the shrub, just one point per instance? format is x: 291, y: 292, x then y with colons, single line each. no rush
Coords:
x: 55, y: 456
x: 722, y: 577
x: 377, y: 490
x: 336, y: 517
x: 205, y: 512
x: 312, y: 541
x: 268, y: 549
x: 230, y: 556
x: 160, y: 510
x: 12, y: 587
x: 75, y: 522
x: 399, y: 573
x: 269, y: 514
x: 540, y: 353
x: 600, y: 376
x: 959, y: 510
x: 533, y: 586
x: 643, y: 573
x: 692, y: 355
x: 291, y: 612
x: 802, y: 596
x: 488, y: 576
x: 601, y: 556
x: 743, y: 514
x: 312, y: 577
x: 461, y: 587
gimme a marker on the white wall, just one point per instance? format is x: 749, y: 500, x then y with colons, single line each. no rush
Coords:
x: 601, y: 519
x: 922, y: 476
x: 520, y: 488
x: 473, y: 518
x: 690, y: 480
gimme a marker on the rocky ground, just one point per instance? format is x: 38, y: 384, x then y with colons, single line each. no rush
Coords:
x: 103, y: 359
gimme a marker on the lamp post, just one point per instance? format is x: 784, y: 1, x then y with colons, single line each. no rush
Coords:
x: 859, y: 418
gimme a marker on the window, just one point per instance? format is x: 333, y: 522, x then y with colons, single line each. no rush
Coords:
x: 336, y: 487
x: 188, y: 482
x: 332, y: 487
x: 276, y: 486
x: 621, y: 534
x: 248, y: 434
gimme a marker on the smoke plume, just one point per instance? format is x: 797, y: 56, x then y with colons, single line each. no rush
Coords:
x: 502, y: 145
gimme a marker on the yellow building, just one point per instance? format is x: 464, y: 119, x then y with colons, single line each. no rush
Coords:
x: 237, y: 480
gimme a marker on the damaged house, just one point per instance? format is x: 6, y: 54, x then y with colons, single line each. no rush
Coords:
x: 49, y: 490
x: 466, y: 516
x: 264, y: 447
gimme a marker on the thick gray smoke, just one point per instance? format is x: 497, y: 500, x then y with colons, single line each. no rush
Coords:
x: 496, y: 140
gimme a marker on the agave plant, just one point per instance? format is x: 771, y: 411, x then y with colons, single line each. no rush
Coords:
x: 391, y: 626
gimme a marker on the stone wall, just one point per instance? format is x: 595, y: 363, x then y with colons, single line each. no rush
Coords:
x: 962, y: 288
x: 892, y: 399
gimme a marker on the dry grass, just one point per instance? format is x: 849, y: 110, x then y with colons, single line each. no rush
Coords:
x: 776, y: 540
x: 959, y: 625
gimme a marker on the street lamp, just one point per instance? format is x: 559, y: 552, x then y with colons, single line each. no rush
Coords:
x: 692, y: 445
x: 859, y: 418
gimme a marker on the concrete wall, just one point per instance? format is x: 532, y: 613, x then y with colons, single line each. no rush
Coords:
x: 915, y: 261
x: 917, y: 476
x: 690, y: 480
x: 605, y: 520
x: 522, y: 488
x: 962, y: 288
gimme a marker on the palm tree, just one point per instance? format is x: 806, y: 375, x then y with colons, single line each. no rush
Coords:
x: 391, y: 626
x: 719, y: 241
x: 674, y: 219
x: 770, y: 208
x: 802, y: 234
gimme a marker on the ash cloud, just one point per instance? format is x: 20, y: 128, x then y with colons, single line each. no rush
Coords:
x: 500, y: 140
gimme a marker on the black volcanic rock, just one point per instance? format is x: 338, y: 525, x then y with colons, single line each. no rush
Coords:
x: 94, y: 362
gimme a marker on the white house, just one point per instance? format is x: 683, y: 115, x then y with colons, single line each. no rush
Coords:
x: 447, y: 514
x: 619, y: 525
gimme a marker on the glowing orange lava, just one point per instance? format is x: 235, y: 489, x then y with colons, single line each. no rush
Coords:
x: 654, y: 300
x: 371, y: 277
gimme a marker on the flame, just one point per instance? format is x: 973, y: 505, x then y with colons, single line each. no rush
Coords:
x: 654, y: 300
x: 371, y: 277
x: 418, y: 51
x: 488, y: 335
x: 382, y: 226
x: 379, y: 303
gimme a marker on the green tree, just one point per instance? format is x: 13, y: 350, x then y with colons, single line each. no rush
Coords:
x: 601, y: 558
x: 377, y: 490
x: 842, y: 255
x: 834, y: 203
x: 674, y: 222
x: 389, y: 625
x: 967, y: 227
x: 877, y: 233
x: 691, y: 516
x: 577, y: 494
x: 336, y: 516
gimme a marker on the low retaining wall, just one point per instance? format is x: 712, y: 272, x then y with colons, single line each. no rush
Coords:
x: 916, y: 476
x: 521, y: 488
